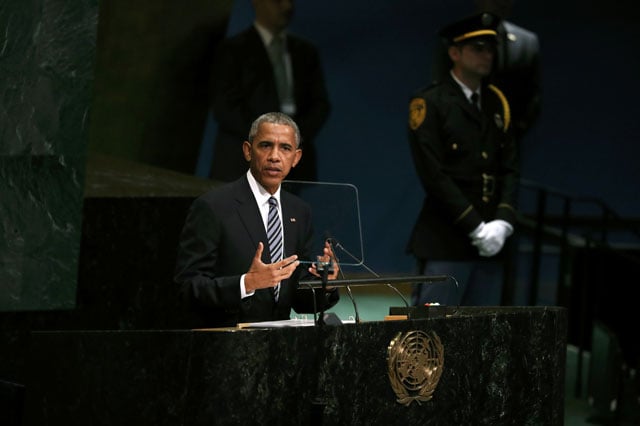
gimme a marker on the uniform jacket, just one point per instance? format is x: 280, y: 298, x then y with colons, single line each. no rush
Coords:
x: 243, y: 87
x: 467, y: 164
x: 217, y: 245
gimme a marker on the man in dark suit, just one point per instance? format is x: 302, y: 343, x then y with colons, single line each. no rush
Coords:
x: 466, y: 159
x: 265, y: 68
x: 225, y: 265
x: 517, y: 68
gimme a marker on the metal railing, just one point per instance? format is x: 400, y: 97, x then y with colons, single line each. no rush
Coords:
x: 567, y: 229
x: 567, y: 223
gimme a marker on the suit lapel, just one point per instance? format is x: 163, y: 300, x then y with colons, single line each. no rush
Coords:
x: 289, y: 224
x: 290, y: 227
x: 260, y: 64
x: 297, y: 70
x: 259, y: 49
x: 250, y: 217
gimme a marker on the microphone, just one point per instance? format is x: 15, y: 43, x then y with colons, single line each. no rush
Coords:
x: 353, y: 301
x: 341, y: 247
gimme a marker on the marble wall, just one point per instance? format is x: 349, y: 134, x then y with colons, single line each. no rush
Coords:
x: 118, y: 78
x: 47, y: 51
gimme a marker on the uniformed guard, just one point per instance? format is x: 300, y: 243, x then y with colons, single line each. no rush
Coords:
x: 466, y: 159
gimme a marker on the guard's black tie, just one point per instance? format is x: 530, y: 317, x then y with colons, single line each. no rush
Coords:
x: 474, y: 100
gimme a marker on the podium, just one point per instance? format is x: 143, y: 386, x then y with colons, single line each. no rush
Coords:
x: 502, y: 365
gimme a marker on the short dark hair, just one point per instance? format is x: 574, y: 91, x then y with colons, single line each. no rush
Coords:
x: 275, y: 118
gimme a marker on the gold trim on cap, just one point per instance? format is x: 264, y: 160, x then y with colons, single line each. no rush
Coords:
x: 475, y: 34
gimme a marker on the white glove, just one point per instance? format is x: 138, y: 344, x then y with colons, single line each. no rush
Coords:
x: 478, y: 237
x: 490, y: 237
x: 476, y: 232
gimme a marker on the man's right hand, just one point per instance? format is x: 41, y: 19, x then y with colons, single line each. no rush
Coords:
x: 490, y: 237
x: 266, y: 275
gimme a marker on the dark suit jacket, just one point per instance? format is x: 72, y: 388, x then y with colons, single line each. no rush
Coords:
x: 217, y: 245
x: 452, y: 148
x: 517, y: 72
x: 243, y: 87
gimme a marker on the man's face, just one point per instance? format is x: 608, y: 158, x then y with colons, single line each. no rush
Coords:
x: 475, y: 57
x: 272, y: 154
x: 275, y: 15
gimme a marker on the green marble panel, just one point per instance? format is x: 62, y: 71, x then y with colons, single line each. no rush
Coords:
x: 47, y: 56
x: 41, y: 217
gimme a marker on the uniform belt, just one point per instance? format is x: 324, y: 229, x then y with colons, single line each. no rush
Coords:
x: 485, y: 183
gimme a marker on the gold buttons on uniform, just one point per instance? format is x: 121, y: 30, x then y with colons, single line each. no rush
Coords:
x: 485, y: 155
x: 454, y: 146
x: 488, y: 186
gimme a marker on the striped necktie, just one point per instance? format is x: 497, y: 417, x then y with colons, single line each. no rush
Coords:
x: 274, y: 235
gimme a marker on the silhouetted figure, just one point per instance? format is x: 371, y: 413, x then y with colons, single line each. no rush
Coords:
x: 266, y: 68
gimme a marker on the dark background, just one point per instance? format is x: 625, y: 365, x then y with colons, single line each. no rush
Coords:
x: 91, y: 82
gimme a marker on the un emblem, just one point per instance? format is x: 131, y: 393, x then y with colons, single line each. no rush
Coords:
x: 415, y: 360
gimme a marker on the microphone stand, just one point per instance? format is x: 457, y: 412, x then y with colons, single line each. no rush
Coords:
x: 324, y: 269
x: 382, y: 280
x: 348, y: 287
x: 341, y: 247
x: 353, y: 302
x: 318, y: 403
x: 325, y: 278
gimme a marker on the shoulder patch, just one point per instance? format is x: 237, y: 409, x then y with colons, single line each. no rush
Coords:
x: 506, y: 111
x: 417, y: 112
